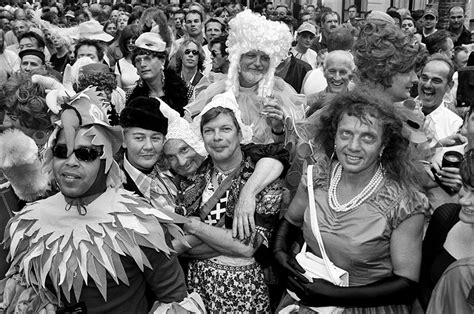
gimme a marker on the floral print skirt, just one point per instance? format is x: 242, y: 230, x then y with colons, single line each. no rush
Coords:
x: 229, y: 289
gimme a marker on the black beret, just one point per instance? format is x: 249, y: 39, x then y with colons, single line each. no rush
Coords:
x: 33, y: 52
x: 144, y: 112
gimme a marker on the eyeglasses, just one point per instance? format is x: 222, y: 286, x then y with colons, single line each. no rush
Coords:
x: 86, y: 154
x: 193, y: 52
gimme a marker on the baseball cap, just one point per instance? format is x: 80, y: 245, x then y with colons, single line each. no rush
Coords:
x: 307, y: 27
x: 431, y: 12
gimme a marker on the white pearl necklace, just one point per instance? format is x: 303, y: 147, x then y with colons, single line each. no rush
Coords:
x: 368, y: 190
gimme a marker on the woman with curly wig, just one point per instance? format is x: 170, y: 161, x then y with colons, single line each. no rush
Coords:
x: 386, y: 60
x: 190, y: 64
x: 26, y: 109
x: 369, y: 211
x: 156, y: 79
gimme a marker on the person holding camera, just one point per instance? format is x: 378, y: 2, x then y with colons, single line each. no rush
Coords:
x: 440, y: 124
x: 449, y: 237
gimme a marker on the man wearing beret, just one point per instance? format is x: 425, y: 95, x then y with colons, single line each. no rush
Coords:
x: 145, y: 129
x: 32, y: 59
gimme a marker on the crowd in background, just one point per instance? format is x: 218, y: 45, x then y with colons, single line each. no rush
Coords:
x: 203, y: 157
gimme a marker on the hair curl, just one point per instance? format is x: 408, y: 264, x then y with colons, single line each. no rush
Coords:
x: 381, y: 51
x: 104, y: 81
x: 27, y: 101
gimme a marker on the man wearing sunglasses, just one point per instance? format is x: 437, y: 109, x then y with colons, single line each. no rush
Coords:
x: 99, y: 230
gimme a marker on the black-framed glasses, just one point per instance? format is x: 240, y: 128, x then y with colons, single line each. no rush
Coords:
x: 194, y: 52
x: 86, y: 154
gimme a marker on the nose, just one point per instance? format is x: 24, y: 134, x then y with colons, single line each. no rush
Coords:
x: 148, y: 145
x: 337, y: 76
x: 465, y: 197
x: 72, y: 161
x: 217, y: 135
x: 258, y: 62
x: 354, y: 144
x: 181, y: 160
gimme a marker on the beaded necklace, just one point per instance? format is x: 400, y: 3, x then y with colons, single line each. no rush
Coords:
x: 368, y: 190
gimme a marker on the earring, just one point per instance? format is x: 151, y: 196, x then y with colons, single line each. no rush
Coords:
x: 140, y: 82
x: 380, y: 155
x: 333, y: 152
x: 162, y: 77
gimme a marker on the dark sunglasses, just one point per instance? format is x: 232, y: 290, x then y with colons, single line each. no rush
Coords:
x: 194, y: 52
x: 82, y: 153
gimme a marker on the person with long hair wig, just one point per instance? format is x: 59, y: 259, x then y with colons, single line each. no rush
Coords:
x: 369, y: 208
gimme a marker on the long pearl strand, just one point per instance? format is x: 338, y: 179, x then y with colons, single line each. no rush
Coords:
x: 368, y: 190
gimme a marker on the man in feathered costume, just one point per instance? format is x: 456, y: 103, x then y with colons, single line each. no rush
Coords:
x: 93, y: 246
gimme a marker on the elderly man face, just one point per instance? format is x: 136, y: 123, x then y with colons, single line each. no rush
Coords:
x: 20, y: 27
x: 338, y: 71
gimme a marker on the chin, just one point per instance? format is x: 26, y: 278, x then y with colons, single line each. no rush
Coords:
x: 466, y: 217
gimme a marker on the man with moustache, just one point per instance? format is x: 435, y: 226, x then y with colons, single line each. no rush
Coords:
x: 330, y: 22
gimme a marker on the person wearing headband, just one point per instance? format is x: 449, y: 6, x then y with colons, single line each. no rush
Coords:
x: 227, y: 272
x: 94, y: 246
x: 256, y: 47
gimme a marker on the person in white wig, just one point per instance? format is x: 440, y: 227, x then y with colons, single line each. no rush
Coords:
x: 256, y: 47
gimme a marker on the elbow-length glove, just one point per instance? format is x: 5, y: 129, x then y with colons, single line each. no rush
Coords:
x: 391, y: 290
x: 285, y: 236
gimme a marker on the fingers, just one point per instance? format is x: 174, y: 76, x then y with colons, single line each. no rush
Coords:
x: 235, y: 231
x: 296, y: 271
x: 251, y: 225
x: 241, y: 224
x: 295, y: 286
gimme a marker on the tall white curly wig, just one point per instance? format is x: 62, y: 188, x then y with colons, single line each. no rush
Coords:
x: 249, y: 31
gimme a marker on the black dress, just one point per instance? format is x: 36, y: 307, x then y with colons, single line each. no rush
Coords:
x: 435, y: 258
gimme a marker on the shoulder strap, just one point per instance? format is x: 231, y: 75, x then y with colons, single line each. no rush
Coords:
x: 212, y: 201
x: 315, y: 226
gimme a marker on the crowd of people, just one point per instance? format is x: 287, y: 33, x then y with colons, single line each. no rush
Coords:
x: 211, y: 158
